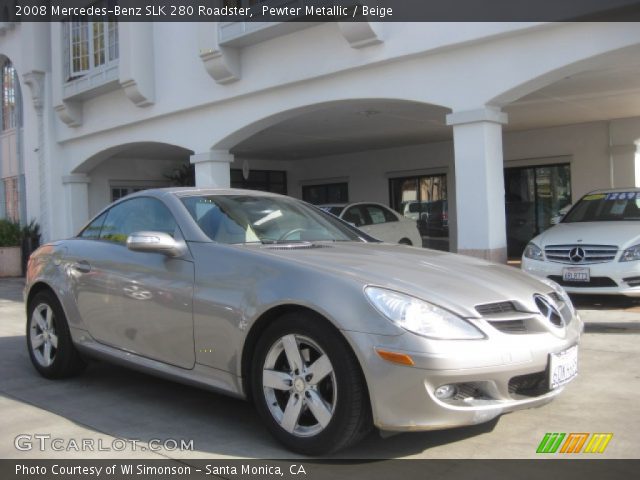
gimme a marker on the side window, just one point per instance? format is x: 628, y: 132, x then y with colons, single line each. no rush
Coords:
x: 135, y: 215
x: 377, y: 214
x: 354, y: 215
x: 389, y: 215
x: 93, y: 229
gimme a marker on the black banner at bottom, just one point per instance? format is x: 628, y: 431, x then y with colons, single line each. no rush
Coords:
x: 305, y: 469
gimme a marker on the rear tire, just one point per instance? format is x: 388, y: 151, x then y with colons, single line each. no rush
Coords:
x: 405, y: 241
x: 308, y: 387
x: 48, y: 339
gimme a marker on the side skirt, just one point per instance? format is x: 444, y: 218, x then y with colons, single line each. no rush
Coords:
x: 200, y: 376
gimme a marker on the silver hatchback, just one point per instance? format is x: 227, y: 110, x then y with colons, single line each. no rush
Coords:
x: 328, y: 332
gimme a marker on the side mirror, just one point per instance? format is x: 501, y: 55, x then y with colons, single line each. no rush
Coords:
x: 158, y: 242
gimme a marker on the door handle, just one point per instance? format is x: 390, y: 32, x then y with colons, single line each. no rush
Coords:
x: 82, y: 266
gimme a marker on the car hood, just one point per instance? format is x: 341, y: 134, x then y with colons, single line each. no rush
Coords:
x: 455, y: 282
x: 622, y: 234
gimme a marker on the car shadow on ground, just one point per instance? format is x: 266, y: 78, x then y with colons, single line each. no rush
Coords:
x: 11, y: 289
x: 605, y: 302
x: 129, y: 405
x: 610, y: 304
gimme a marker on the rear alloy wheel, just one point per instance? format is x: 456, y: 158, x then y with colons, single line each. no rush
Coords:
x: 308, y: 387
x: 48, y: 339
x: 43, y: 336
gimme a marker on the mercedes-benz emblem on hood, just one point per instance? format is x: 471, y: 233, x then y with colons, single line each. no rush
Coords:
x: 576, y: 254
x: 548, y: 310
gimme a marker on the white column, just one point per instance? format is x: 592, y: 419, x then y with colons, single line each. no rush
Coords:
x: 213, y: 168
x: 637, y: 163
x: 76, y: 196
x: 479, y: 180
x: 625, y: 165
x: 36, y: 81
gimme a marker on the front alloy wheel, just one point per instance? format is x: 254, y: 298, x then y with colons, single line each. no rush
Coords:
x: 299, y: 385
x: 307, y: 385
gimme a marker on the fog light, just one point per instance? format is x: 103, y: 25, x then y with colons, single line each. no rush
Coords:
x: 446, y: 391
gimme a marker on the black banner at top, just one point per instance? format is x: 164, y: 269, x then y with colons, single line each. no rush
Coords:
x: 322, y: 10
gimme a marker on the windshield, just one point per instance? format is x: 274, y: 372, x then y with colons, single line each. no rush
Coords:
x: 605, y: 207
x: 238, y: 219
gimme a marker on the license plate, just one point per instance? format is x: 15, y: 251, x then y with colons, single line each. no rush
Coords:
x: 563, y: 367
x: 576, y: 274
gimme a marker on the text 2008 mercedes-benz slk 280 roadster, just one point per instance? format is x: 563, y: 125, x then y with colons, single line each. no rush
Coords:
x: 326, y: 330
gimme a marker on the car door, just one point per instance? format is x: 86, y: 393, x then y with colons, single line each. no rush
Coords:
x: 380, y: 223
x: 355, y: 216
x: 140, y: 302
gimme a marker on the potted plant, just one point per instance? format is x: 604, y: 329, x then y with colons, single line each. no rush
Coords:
x: 30, y: 242
x: 10, y: 239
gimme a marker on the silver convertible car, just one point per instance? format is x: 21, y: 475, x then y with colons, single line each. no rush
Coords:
x: 328, y: 332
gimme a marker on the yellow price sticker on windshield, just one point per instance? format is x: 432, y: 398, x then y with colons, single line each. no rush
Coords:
x: 595, y: 196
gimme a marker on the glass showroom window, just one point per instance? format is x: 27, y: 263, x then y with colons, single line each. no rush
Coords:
x: 91, y: 45
x: 9, y: 86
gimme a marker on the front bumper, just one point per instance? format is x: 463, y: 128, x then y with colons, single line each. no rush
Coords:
x: 618, y: 272
x: 487, y: 372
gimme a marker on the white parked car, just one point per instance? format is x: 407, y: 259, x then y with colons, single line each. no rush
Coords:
x: 378, y: 221
x: 413, y: 209
x: 595, y: 248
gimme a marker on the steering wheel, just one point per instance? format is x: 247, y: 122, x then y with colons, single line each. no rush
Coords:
x: 291, y: 232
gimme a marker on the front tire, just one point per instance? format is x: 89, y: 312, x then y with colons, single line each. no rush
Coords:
x: 48, y: 339
x: 308, y: 387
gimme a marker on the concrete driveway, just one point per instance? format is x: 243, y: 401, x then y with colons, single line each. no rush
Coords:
x: 111, y: 406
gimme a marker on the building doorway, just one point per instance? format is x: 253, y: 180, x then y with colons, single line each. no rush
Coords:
x: 424, y: 199
x: 534, y: 199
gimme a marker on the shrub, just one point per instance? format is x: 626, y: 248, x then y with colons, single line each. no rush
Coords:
x: 10, y: 234
x: 32, y: 231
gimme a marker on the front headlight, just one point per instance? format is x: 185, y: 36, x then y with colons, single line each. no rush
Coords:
x: 631, y: 254
x: 420, y: 317
x: 533, y: 252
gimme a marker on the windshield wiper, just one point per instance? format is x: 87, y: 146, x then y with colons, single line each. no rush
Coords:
x: 283, y: 242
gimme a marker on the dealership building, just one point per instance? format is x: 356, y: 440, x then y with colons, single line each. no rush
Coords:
x: 504, y: 124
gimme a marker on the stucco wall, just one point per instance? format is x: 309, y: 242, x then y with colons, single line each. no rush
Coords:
x: 585, y: 146
x: 125, y: 171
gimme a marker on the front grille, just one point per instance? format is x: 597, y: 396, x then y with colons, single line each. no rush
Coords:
x: 632, y: 281
x: 509, y: 326
x: 530, y: 385
x: 503, y: 316
x: 592, y: 253
x: 556, y: 297
x: 594, y: 282
x: 495, y: 308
